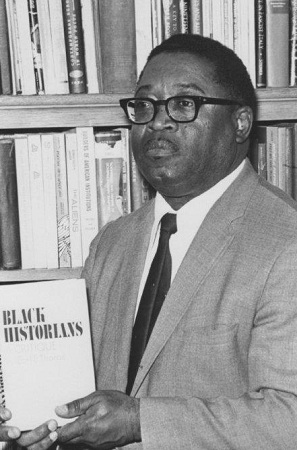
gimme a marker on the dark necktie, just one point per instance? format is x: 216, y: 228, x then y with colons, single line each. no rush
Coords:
x: 154, y: 293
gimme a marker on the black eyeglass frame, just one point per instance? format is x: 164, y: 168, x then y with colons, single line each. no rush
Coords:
x: 197, y: 99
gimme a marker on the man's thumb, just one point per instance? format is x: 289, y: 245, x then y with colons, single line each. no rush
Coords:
x: 70, y: 410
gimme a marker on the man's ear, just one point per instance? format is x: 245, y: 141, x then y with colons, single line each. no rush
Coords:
x: 244, y: 122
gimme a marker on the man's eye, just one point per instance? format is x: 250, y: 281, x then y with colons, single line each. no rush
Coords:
x: 142, y: 104
x: 185, y: 103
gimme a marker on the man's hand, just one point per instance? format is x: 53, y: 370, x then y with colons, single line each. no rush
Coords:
x: 106, y: 419
x: 7, y: 433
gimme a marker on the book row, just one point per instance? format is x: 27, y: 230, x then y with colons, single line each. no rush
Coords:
x: 100, y: 46
x: 274, y: 155
x: 57, y: 189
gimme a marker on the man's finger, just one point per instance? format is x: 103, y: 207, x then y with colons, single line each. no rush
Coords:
x: 46, y: 430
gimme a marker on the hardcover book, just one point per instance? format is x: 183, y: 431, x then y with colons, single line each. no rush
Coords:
x: 45, y: 346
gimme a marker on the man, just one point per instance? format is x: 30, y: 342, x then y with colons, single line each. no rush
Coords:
x: 220, y: 369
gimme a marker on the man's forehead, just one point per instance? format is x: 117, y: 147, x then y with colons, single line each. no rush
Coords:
x: 181, y: 86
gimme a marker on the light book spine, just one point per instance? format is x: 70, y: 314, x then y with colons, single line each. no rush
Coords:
x: 143, y: 29
x: 88, y: 26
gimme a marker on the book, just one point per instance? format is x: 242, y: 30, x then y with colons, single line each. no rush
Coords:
x: 207, y: 18
x: 14, y: 47
x: 24, y: 201
x: 196, y: 20
x: 260, y: 36
x: 185, y: 16
x: 171, y: 18
x: 277, y: 42
x: 98, y: 43
x: 46, y: 353
x: 73, y: 198
x: 58, y: 47
x: 156, y: 14
x: 260, y: 157
x: 90, y: 46
x: 63, y: 226
x: 10, y: 256
x: 293, y: 43
x: 118, y: 55
x: 37, y: 200
x: 272, y: 155
x: 143, y: 32
x: 35, y: 45
x: 50, y: 201
x: 5, y: 64
x: 87, y: 186
x: 141, y: 192
x: 74, y: 41
x: 285, y: 154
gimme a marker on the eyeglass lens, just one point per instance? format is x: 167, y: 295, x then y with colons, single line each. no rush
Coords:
x: 181, y: 109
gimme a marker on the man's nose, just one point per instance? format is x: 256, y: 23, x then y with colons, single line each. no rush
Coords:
x: 162, y: 120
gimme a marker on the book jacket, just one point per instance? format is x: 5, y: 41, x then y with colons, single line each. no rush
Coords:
x: 45, y: 345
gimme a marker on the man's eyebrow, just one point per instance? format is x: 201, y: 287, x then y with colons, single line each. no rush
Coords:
x: 184, y: 86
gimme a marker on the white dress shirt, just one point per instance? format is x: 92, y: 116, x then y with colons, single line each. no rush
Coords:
x: 189, y: 219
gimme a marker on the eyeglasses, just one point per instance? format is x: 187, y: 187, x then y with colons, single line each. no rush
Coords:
x: 180, y: 109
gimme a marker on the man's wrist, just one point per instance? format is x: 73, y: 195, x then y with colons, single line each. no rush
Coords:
x: 135, y: 420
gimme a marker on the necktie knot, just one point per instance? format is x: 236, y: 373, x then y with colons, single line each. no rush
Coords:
x: 168, y: 223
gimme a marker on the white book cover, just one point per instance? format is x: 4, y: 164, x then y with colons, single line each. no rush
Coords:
x: 88, y: 24
x: 28, y: 80
x: 24, y: 201
x: 143, y: 29
x: 88, y: 191
x: 50, y: 203
x: 73, y: 199
x: 58, y: 46
x: 37, y: 200
x: 45, y: 347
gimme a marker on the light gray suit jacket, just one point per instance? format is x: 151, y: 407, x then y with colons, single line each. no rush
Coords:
x: 220, y: 369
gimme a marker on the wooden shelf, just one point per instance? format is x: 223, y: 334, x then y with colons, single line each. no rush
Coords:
x: 277, y: 104
x: 13, y: 276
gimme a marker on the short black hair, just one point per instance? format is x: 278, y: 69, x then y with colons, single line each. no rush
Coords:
x: 229, y: 70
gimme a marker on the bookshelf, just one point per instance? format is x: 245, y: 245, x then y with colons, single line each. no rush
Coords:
x: 101, y: 110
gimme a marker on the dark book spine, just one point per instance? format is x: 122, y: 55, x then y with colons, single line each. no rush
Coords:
x: 260, y: 32
x: 74, y: 46
x: 5, y: 62
x: 171, y: 18
x: 293, y: 43
x: 9, y: 217
x: 35, y: 43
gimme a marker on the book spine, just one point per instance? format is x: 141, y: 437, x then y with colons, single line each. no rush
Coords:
x: 125, y: 140
x: 207, y: 18
x: 143, y: 32
x: 14, y: 47
x: 272, y: 155
x: 88, y: 26
x: 9, y: 218
x: 24, y: 201
x: 294, y: 161
x: 293, y: 43
x: 260, y: 31
x: 185, y: 16
x: 74, y: 46
x: 277, y: 42
x: 157, y: 32
x: 171, y: 18
x: 73, y: 199
x: 63, y: 227
x: 50, y: 204
x: 5, y: 64
x: 196, y: 21
x: 35, y: 45
x: 228, y: 23
x: 60, y: 68
x: 87, y: 185
x: 118, y: 55
x: 98, y: 44
x: 140, y: 191
x: 37, y: 200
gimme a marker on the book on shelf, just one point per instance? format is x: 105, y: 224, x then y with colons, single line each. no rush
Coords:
x: 143, y: 32
x: 5, y: 64
x: 156, y: 20
x: 87, y: 186
x: 171, y: 18
x: 10, y: 251
x: 293, y: 43
x: 50, y: 200
x: 73, y: 198
x: 24, y: 201
x: 277, y: 42
x: 117, y: 18
x: 14, y: 47
x: 141, y: 192
x: 196, y: 21
x: 285, y: 157
x: 260, y: 35
x: 185, y: 16
x: 64, y: 248
x: 35, y: 46
x: 74, y: 42
x: 46, y: 352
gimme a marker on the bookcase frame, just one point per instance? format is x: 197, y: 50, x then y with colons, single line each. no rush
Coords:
x: 102, y: 110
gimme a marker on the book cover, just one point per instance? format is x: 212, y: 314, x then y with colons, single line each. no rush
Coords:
x: 60, y: 68
x: 109, y: 175
x: 37, y: 200
x: 10, y: 256
x: 196, y: 20
x: 143, y: 32
x: 5, y: 63
x: 73, y: 198
x: 64, y: 248
x: 277, y: 42
x: 24, y: 201
x: 293, y: 43
x: 118, y: 47
x: 35, y: 45
x: 45, y: 346
x: 74, y: 41
x: 87, y: 186
x: 90, y: 46
x: 260, y: 35
x: 50, y: 202
x: 171, y: 18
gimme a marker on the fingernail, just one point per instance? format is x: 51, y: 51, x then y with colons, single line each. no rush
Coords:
x: 61, y: 409
x: 13, y: 433
x: 52, y: 425
x: 53, y: 436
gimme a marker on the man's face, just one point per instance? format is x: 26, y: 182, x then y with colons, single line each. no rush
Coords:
x: 182, y: 160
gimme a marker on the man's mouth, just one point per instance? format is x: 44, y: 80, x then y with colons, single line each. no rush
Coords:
x: 160, y: 148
